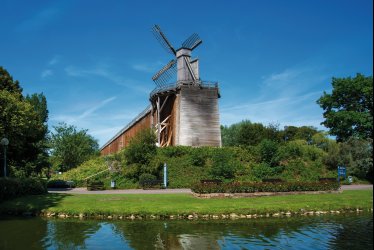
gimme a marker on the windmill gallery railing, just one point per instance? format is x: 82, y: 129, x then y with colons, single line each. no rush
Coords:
x: 178, y: 84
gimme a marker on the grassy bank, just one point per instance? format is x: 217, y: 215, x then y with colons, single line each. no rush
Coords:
x: 184, y: 204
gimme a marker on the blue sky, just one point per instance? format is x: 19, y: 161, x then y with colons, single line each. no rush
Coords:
x: 273, y: 59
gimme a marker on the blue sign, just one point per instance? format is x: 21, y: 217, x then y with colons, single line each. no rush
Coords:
x: 342, y: 171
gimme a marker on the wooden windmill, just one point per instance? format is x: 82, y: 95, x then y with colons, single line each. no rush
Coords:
x: 186, y: 111
x: 183, y: 110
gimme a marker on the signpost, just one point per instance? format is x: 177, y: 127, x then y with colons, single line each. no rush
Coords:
x: 342, y: 171
x: 165, y: 175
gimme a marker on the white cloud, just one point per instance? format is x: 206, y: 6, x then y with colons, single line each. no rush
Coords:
x: 148, y: 67
x: 56, y: 59
x: 286, y: 98
x: 46, y: 73
x: 102, y: 71
x: 96, y: 107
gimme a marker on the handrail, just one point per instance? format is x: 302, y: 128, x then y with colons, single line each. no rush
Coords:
x: 172, y: 86
x: 96, y: 174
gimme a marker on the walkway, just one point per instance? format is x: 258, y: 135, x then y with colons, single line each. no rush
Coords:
x: 121, y: 191
x: 164, y: 191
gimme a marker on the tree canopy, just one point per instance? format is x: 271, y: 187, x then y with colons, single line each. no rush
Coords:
x: 23, y: 122
x: 348, y: 110
x: 71, y: 147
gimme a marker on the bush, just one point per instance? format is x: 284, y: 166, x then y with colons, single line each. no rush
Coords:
x: 264, y: 170
x: 11, y: 187
x: 247, y: 187
x: 224, y: 165
x: 142, y: 148
x: 268, y: 151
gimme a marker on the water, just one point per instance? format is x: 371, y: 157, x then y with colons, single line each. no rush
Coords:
x: 349, y: 231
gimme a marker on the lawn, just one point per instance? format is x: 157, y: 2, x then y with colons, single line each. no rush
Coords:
x: 184, y: 204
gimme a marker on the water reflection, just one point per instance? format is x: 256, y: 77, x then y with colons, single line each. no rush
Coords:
x: 324, y: 232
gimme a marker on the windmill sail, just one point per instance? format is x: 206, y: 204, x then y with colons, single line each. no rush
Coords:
x: 163, y: 76
x: 161, y: 38
x: 192, y: 42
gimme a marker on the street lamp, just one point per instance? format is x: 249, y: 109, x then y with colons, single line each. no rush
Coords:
x: 5, y: 143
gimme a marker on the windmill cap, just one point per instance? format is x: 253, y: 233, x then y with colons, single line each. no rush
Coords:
x: 183, y: 52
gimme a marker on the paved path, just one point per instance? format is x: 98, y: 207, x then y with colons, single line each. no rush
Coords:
x: 163, y: 191
x: 121, y: 191
x: 356, y: 187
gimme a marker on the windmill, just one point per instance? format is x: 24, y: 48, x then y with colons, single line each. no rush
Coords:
x: 186, y: 111
x: 187, y: 70
x: 182, y: 112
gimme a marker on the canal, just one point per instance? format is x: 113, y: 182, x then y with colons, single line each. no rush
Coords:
x: 347, y: 231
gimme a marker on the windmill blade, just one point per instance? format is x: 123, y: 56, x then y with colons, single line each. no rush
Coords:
x: 192, y: 42
x: 161, y: 38
x: 163, y: 76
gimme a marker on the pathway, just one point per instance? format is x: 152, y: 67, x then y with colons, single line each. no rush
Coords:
x: 164, y: 191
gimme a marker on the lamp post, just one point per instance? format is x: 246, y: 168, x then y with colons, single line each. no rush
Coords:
x: 5, y: 143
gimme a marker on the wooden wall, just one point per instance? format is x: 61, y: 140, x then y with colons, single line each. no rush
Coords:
x: 124, y: 138
x: 199, y: 123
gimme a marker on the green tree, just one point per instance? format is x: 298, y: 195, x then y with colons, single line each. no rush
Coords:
x: 356, y: 155
x: 71, y: 147
x: 21, y: 123
x: 7, y: 83
x: 348, y: 110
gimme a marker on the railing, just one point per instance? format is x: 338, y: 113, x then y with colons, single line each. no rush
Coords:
x: 174, y: 86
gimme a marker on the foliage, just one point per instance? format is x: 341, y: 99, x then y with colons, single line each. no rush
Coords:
x: 246, y: 133
x: 87, y: 169
x: 264, y: 170
x: 146, y: 180
x: 348, y: 110
x: 11, y: 187
x: 356, y: 155
x: 224, y: 165
x: 71, y: 147
x: 23, y: 122
x: 268, y: 152
x: 251, y: 187
x: 142, y: 147
x: 8, y: 84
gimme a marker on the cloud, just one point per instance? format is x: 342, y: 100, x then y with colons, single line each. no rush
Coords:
x: 40, y: 19
x: 147, y: 67
x: 56, y: 59
x: 96, y: 107
x: 287, y: 98
x: 46, y: 73
x: 104, y: 72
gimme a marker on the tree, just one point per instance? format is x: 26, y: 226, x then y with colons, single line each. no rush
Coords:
x: 348, y: 110
x: 22, y: 124
x: 142, y: 148
x: 7, y: 83
x: 71, y: 147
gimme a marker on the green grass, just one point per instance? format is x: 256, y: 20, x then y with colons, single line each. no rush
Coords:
x: 174, y: 204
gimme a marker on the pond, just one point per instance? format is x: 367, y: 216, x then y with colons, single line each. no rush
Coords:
x: 348, y: 231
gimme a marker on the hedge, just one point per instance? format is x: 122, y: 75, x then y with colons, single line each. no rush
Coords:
x: 11, y: 187
x: 252, y: 187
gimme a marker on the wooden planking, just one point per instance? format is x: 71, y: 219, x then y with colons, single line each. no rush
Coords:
x: 123, y: 139
x: 199, y: 123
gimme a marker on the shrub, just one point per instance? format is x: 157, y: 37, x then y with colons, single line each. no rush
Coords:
x: 11, y: 187
x: 268, y: 151
x: 264, y: 170
x: 224, y: 165
x: 248, y: 187
x: 142, y: 148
